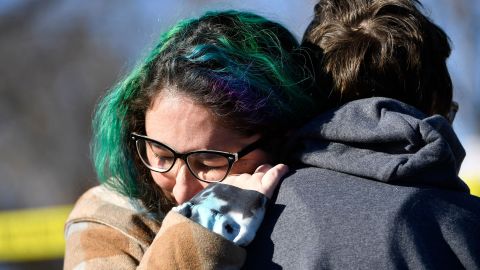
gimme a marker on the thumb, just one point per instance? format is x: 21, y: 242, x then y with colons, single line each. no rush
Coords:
x: 272, y: 178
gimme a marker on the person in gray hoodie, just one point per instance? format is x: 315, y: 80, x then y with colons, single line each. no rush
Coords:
x: 375, y: 182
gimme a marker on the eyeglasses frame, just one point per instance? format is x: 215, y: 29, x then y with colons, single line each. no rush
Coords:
x: 231, y: 157
x: 453, y: 111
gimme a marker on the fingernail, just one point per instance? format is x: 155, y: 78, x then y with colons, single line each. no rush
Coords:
x: 262, y: 167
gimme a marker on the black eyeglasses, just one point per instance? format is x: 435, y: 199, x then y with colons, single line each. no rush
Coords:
x: 206, y: 165
x: 453, y: 111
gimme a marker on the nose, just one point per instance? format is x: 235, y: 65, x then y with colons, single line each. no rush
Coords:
x: 186, y: 185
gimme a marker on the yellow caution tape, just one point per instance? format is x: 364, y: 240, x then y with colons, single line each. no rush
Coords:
x: 473, y: 182
x: 33, y: 234
x: 37, y: 234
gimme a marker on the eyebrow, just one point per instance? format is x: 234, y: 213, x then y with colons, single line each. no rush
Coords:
x: 241, y: 153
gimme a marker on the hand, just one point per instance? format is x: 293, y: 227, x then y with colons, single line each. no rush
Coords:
x: 264, y: 180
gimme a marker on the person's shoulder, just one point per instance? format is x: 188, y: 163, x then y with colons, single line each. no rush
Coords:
x: 443, y: 204
x: 101, y: 205
x: 440, y: 221
x: 310, y: 186
x: 100, y: 200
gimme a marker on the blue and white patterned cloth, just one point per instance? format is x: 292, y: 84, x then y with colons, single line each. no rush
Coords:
x: 232, y: 212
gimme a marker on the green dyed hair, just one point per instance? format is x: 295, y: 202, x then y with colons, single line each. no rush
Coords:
x: 243, y: 67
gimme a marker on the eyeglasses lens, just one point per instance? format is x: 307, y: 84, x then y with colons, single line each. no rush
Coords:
x: 155, y: 156
x: 208, y: 166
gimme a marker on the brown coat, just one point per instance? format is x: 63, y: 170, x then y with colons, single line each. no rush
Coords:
x: 108, y: 231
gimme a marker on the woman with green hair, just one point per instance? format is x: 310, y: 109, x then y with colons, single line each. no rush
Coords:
x: 209, y: 104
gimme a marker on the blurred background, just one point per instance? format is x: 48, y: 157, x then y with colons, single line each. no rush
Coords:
x: 57, y: 57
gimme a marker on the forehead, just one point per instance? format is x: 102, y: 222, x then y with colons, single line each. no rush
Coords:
x: 176, y: 120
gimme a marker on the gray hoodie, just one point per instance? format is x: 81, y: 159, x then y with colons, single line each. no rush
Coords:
x: 375, y: 186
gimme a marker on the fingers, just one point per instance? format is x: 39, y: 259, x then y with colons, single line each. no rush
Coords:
x: 264, y: 180
x: 272, y: 178
x: 263, y: 168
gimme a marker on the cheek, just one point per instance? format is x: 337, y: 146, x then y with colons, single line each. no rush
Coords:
x: 250, y: 162
x: 165, y: 183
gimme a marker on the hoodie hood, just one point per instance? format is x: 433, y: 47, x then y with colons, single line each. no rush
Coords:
x: 384, y: 140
